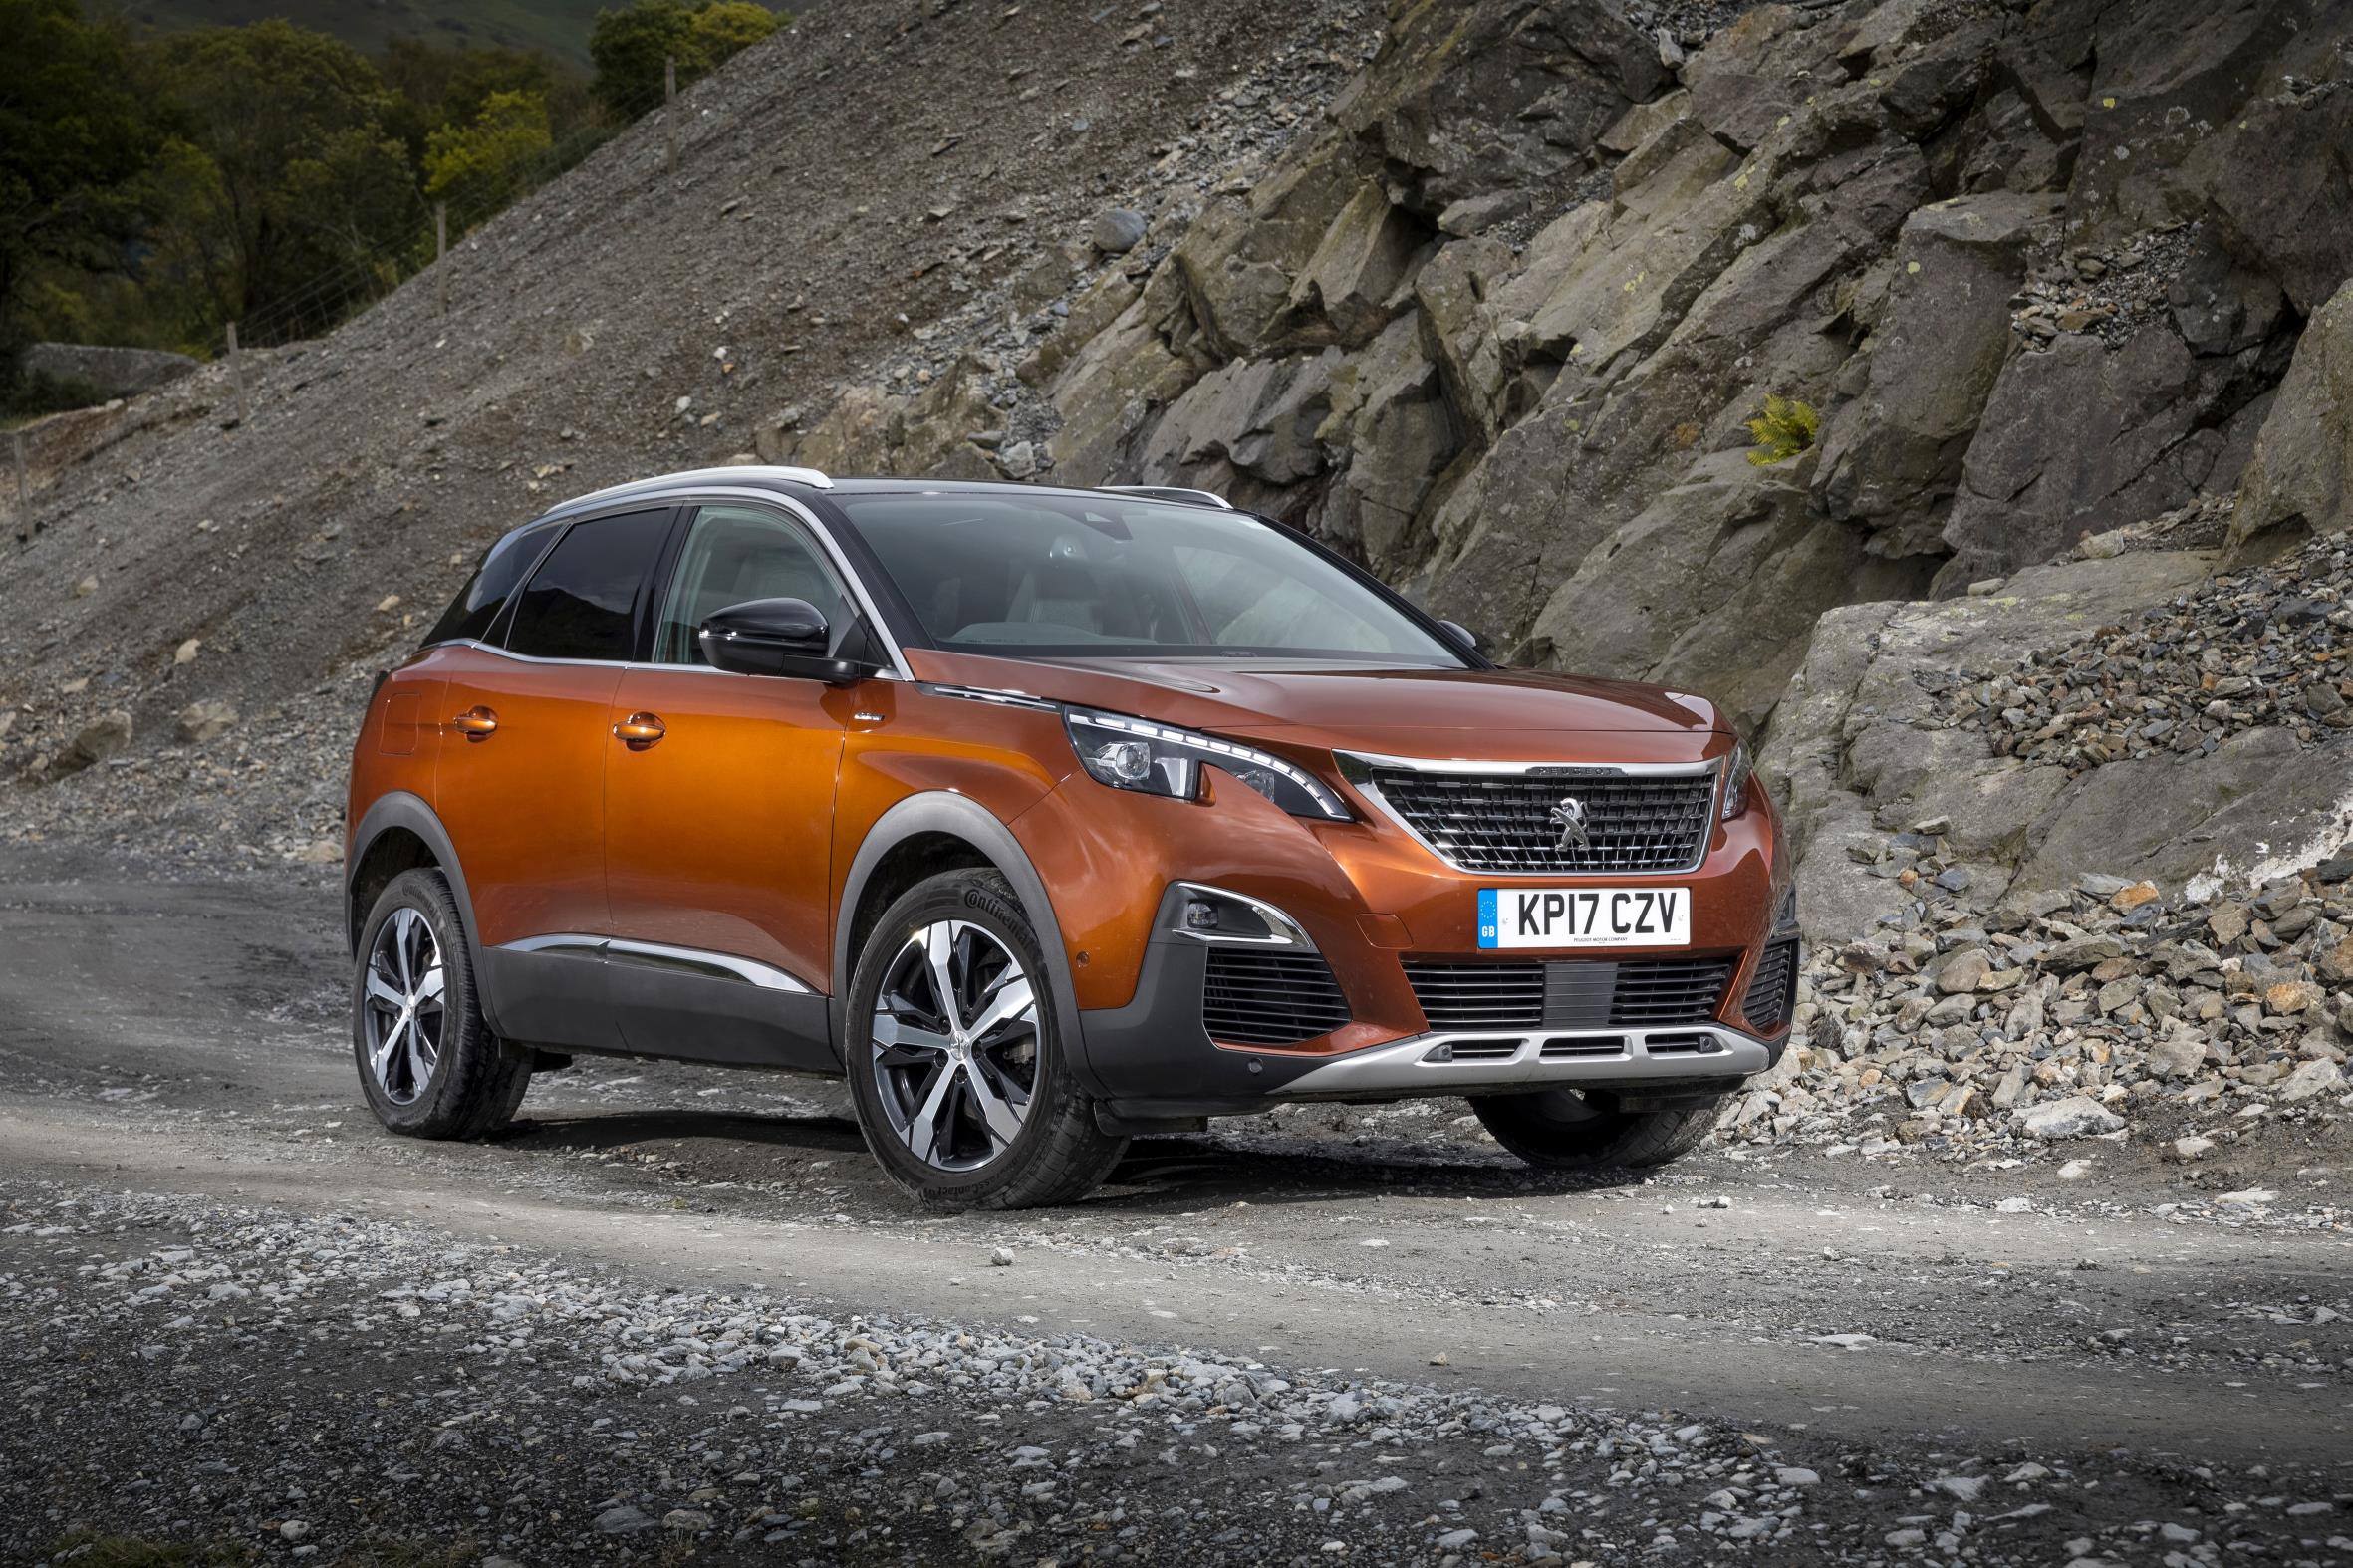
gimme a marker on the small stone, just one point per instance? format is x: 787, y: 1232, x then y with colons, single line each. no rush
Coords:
x: 2314, y: 1078
x: 623, y: 1520
x: 85, y: 588
x: 1019, y: 459
x: 2132, y: 897
x: 1000, y: 1258
x: 388, y: 604
x: 294, y: 1529
x: 690, y: 1521
x: 185, y: 653
x: 2192, y: 1147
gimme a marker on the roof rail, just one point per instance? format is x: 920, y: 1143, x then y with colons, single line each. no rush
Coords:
x: 740, y: 471
x: 1172, y: 492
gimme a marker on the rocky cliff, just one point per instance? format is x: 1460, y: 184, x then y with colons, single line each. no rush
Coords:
x: 2057, y: 279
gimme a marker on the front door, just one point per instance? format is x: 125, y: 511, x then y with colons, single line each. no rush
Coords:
x: 520, y: 781
x: 718, y: 813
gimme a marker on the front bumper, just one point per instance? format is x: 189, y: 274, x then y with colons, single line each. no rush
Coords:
x: 1369, y: 900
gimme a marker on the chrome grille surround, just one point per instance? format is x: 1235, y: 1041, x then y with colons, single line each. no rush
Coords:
x: 1492, y: 818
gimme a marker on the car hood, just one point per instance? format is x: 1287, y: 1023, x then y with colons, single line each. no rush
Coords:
x: 1407, y: 710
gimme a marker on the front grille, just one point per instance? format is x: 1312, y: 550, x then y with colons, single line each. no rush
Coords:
x: 1254, y: 997
x: 1773, y: 989
x: 1478, y: 995
x: 1569, y: 994
x: 1503, y: 822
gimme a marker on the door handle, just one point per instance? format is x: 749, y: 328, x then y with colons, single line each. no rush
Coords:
x: 638, y: 730
x: 475, y: 724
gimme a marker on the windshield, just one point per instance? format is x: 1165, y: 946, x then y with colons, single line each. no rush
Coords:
x: 1067, y: 576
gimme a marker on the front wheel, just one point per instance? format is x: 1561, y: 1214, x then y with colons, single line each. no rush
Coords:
x: 1562, y: 1130
x: 956, y: 1054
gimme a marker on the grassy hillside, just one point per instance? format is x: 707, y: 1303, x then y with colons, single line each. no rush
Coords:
x: 560, y: 27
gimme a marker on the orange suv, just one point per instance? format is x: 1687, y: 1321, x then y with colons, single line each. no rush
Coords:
x: 1046, y: 817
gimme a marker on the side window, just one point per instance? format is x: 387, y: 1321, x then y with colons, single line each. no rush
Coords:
x: 735, y: 554
x: 477, y: 604
x: 581, y: 601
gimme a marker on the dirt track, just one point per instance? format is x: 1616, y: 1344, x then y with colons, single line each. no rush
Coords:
x: 186, y: 1039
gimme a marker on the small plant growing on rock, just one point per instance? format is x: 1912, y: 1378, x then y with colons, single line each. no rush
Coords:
x: 1785, y: 428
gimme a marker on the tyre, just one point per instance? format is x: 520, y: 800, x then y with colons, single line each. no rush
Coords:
x: 428, y: 1062
x: 956, y: 1057
x: 1562, y: 1130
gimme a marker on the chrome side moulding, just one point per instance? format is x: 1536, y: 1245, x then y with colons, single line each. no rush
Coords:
x: 1020, y: 699
x: 695, y: 961
x: 1463, y: 1063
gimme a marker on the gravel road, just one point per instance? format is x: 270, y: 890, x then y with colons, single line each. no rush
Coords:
x: 677, y: 1312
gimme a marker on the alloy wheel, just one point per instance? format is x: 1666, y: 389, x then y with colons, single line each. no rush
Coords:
x: 956, y: 1045
x: 403, y: 1007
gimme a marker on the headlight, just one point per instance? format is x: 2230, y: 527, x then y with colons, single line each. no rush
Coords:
x: 1136, y: 754
x: 1737, y: 778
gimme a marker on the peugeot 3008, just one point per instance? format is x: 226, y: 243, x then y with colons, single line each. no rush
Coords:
x: 1045, y: 817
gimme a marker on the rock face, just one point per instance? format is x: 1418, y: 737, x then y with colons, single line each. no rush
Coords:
x: 2299, y: 479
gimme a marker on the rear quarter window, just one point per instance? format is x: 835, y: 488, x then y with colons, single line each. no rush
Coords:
x: 495, y: 577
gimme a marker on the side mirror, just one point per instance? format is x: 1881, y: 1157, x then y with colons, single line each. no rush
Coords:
x: 774, y: 637
x: 1468, y: 638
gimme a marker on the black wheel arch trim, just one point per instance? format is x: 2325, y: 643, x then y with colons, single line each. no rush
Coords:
x: 401, y: 809
x: 962, y: 817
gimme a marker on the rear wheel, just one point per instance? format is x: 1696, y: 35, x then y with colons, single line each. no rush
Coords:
x: 956, y: 1054
x: 1562, y: 1130
x: 428, y: 1063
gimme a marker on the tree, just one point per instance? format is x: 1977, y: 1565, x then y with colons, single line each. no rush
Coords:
x: 74, y: 131
x: 630, y: 47
x: 475, y: 167
x: 308, y: 181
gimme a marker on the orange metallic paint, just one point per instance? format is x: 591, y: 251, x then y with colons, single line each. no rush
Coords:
x: 718, y: 835
x: 525, y: 805
x: 735, y: 831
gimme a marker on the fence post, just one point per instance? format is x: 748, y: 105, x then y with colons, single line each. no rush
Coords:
x: 237, y: 372
x: 441, y: 250
x: 669, y: 112
x: 23, y: 486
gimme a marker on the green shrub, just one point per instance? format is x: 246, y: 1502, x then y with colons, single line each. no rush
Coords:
x: 1785, y: 428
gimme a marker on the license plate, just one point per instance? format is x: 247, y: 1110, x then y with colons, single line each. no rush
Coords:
x: 1585, y: 916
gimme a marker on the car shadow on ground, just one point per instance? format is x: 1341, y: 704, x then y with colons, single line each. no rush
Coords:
x: 1165, y: 1174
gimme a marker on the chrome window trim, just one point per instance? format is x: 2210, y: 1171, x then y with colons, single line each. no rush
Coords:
x: 1288, y: 932
x: 717, y: 966
x: 1356, y: 767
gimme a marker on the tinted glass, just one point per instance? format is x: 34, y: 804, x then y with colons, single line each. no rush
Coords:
x: 735, y: 554
x: 580, y: 603
x: 477, y: 604
x: 1076, y: 576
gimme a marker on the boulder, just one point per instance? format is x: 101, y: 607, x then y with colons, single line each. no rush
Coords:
x: 1117, y: 230
x: 2077, y: 1116
x: 1394, y: 433
x: 2299, y: 478
x: 1892, y: 457
x: 2083, y: 438
x: 1254, y: 417
x: 1357, y: 275
x: 107, y: 735
x: 206, y: 720
x: 1714, y: 587
x: 2277, y: 210
x: 1498, y: 94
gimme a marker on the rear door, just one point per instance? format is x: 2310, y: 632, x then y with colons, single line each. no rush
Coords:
x: 520, y: 783
x: 718, y: 811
